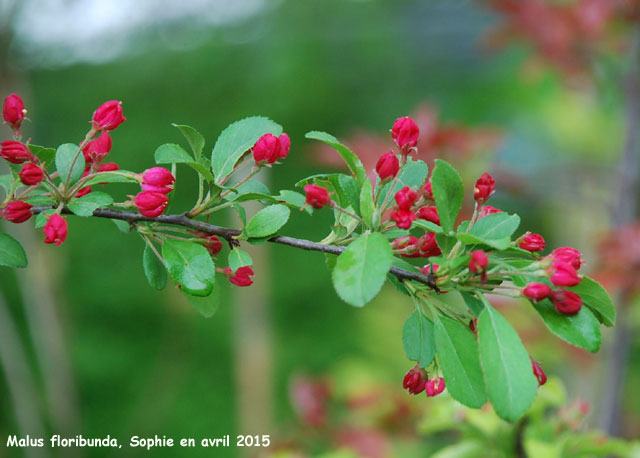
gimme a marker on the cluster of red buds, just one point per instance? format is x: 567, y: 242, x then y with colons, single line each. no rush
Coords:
x: 242, y: 276
x: 417, y: 380
x: 156, y: 184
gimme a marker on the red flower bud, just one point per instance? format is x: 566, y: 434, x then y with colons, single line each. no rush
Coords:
x: 108, y: 167
x: 434, y: 386
x: 536, y: 291
x: 568, y: 255
x: 269, y: 148
x: 157, y: 179
x: 563, y: 274
x: 566, y: 302
x: 414, y: 380
x: 13, y: 110
x: 17, y: 211
x: 430, y: 269
x: 488, y: 210
x: 31, y: 174
x: 97, y: 149
x: 473, y: 325
x: 15, y: 152
x: 84, y: 191
x: 55, y: 229
x: 532, y: 242
x: 479, y: 262
x: 317, y: 196
x: 429, y: 214
x: 241, y: 277
x: 404, y: 242
x: 108, y: 116
x: 428, y: 190
x: 151, y: 204
x: 403, y: 218
x: 405, y: 198
x: 405, y: 133
x: 214, y: 245
x: 484, y: 188
x: 538, y: 372
x: 428, y: 246
x: 387, y: 166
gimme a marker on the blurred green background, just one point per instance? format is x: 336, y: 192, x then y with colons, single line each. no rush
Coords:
x: 96, y: 351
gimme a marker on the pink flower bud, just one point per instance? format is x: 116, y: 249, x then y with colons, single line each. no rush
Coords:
x: 566, y: 302
x: 403, y: 218
x: 405, y: 133
x: 536, y: 291
x: 484, y: 188
x: 55, y: 229
x: 532, y: 242
x: 84, y: 191
x: 17, y: 211
x: 214, y: 245
x: 151, y: 204
x: 405, y: 198
x: 387, y: 166
x: 428, y: 246
x: 429, y: 214
x: 479, y: 262
x: 488, y: 210
x: 434, y: 386
x: 13, y: 111
x: 538, y: 372
x: 317, y: 196
x: 285, y: 145
x: 157, y: 179
x: 563, y: 274
x: 429, y: 269
x: 108, y: 116
x: 428, y: 191
x: 404, y: 242
x: 241, y: 277
x: 269, y: 148
x: 31, y: 174
x: 15, y: 152
x: 97, y: 149
x: 108, y: 167
x: 568, y: 255
x: 414, y: 380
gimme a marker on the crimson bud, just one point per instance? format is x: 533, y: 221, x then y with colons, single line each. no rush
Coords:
x: 387, y: 166
x: 563, y: 274
x: 429, y: 213
x: 532, y: 242
x: 428, y: 190
x: 270, y: 148
x: 414, y: 381
x: 536, y: 291
x: 55, y: 229
x: 405, y: 133
x: 479, y: 262
x: 538, y: 372
x: 434, y: 386
x: 317, y: 196
x: 97, y: 149
x: 108, y: 116
x: 108, y: 167
x: 31, y: 174
x: 15, y: 152
x: 484, y: 188
x: 568, y: 255
x: 566, y: 302
x: 430, y: 269
x: 403, y: 218
x: 214, y: 245
x: 406, y: 198
x: 13, y: 110
x: 157, y: 179
x: 17, y: 211
x: 429, y: 247
x: 241, y: 277
x: 151, y: 203
x: 488, y: 210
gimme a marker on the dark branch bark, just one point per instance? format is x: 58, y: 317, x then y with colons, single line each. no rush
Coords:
x: 230, y: 234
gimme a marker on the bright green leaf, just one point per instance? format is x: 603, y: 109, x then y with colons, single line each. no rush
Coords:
x: 494, y: 230
x: 268, y: 221
x: 367, y: 208
x: 65, y: 155
x: 448, y: 193
x: 87, y: 204
x: 413, y: 174
x: 194, y: 138
x: 46, y: 155
x: 581, y: 330
x: 349, y: 157
x: 418, y: 339
x: 42, y: 217
x: 597, y: 299
x: 154, y: 270
x: 190, y: 265
x: 427, y: 226
x: 171, y: 153
x: 11, y: 252
x: 207, y: 305
x: 239, y: 258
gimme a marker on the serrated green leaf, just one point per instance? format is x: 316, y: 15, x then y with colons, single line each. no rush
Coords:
x: 65, y: 155
x: 268, y: 221
x: 367, y: 207
x: 154, y: 270
x: 111, y: 177
x: 412, y: 174
x: 581, y: 330
x: 43, y: 153
x: 597, y: 299
x: 448, y: 193
x: 194, y: 138
x: 418, y: 339
x: 171, y: 153
x: 87, y: 204
x: 190, y: 265
x: 427, y: 226
x: 236, y: 139
x: 460, y: 363
x: 494, y: 230
x: 238, y: 258
x: 207, y: 305
x: 349, y: 157
x: 511, y: 385
x: 475, y: 305
x: 11, y: 252
x: 361, y: 269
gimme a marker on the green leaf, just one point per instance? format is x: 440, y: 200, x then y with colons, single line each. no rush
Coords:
x: 494, y: 230
x: 44, y: 154
x: 11, y: 252
x: 111, y: 177
x: 506, y: 365
x: 347, y: 191
x: 207, y: 305
x: 190, y: 266
x: 448, y: 193
x: 194, y: 138
x: 122, y: 226
x: 458, y: 357
x: 361, y: 269
x: 367, y: 207
x: 412, y: 174
x: 597, y: 299
x: 87, y: 204
x: 427, y: 226
x: 6, y: 181
x: 581, y: 330
x: 202, y: 170
x: 475, y: 305
x: 349, y: 157
x: 65, y: 155
x: 170, y: 153
x: 41, y: 218
x: 268, y: 221
x: 239, y: 258
x: 236, y: 139
x: 293, y: 199
x: 154, y: 270
x: 418, y: 339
